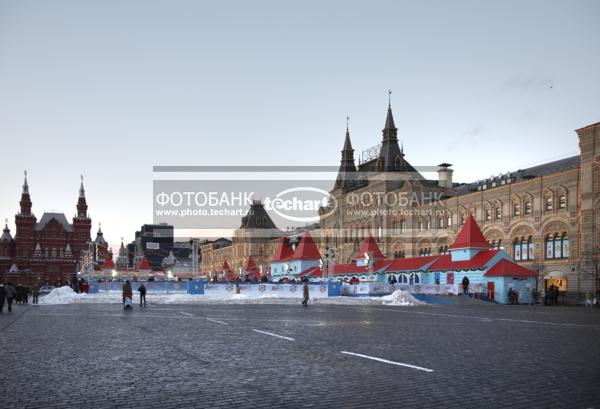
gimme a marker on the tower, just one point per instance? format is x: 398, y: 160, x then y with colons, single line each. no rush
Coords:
x: 347, y: 167
x: 391, y: 157
x: 25, y: 227
x: 82, y: 224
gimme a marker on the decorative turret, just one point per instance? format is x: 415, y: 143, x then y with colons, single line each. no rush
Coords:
x: 25, y: 199
x: 100, y: 237
x: 6, y: 232
x: 391, y: 157
x: 347, y: 165
x: 81, y: 202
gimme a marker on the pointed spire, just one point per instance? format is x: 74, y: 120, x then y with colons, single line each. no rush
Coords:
x: 6, y: 232
x: 390, y: 132
x: 347, y: 143
x: 25, y: 185
x: 81, y: 188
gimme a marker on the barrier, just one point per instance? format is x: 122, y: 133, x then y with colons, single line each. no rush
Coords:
x: 168, y: 287
x: 379, y: 289
x: 253, y: 290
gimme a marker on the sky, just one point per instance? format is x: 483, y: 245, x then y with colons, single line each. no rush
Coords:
x: 109, y: 89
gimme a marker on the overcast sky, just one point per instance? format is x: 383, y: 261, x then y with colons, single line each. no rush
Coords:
x: 111, y: 88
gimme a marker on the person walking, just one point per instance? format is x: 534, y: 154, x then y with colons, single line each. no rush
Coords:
x: 2, y: 297
x: 127, y: 292
x: 10, y: 294
x: 142, y: 290
x: 305, y: 294
x: 35, y: 293
x: 465, y: 285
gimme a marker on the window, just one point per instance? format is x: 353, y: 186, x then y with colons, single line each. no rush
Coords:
x: 562, y: 202
x: 548, y: 206
x: 443, y: 250
x: 53, y: 252
x: 449, y: 221
x: 516, y: 209
x: 399, y: 254
x: 420, y: 225
x: 528, y: 207
x: 462, y: 218
x: 523, y: 248
x: 424, y: 252
x: 497, y: 244
x: 488, y: 214
x: 498, y: 213
x: 440, y: 223
x: 557, y: 246
x: 427, y: 224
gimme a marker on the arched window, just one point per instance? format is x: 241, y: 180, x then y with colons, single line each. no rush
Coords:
x: 449, y: 221
x: 488, y: 214
x: 443, y: 250
x: 557, y: 246
x: 528, y: 207
x: 414, y: 278
x: 498, y: 211
x: 562, y: 202
x: 463, y: 218
x: 516, y: 209
x: 549, y: 205
x: 523, y: 248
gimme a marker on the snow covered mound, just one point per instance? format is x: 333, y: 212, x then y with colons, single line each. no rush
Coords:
x: 61, y: 295
x: 400, y: 297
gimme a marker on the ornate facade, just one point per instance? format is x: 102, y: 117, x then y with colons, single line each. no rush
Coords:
x: 545, y: 217
x: 48, y: 251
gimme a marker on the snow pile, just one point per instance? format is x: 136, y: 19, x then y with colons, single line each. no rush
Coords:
x: 401, y: 297
x: 61, y: 295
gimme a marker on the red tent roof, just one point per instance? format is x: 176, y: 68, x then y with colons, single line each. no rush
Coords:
x: 411, y: 264
x: 250, y: 267
x: 478, y: 262
x: 225, y: 266
x: 507, y: 268
x: 108, y: 263
x: 370, y: 245
x: 470, y: 236
x: 306, y: 249
x: 284, y: 250
x: 144, y: 264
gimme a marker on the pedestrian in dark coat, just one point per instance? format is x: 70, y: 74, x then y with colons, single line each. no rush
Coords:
x: 2, y: 297
x: 35, y: 293
x: 127, y: 291
x: 142, y: 290
x: 305, y: 294
x: 10, y: 294
x: 465, y: 285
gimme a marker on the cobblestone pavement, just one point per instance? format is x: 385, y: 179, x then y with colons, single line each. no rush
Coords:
x: 178, y: 356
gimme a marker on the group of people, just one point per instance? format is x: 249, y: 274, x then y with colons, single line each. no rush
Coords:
x: 19, y: 294
x: 551, y: 297
x: 128, y: 294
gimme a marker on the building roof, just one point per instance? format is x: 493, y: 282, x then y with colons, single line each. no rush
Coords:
x: 508, y: 268
x: 257, y: 217
x: 284, y: 250
x: 470, y: 236
x: 370, y: 246
x: 100, y: 237
x: 306, y: 249
x: 225, y: 266
x: 59, y: 217
x: 108, y: 263
x: 521, y: 174
x: 411, y: 264
x: 144, y: 264
x: 6, y: 234
x: 250, y: 267
x: 478, y: 262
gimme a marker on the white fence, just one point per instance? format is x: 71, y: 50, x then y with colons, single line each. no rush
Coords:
x: 366, y: 289
x: 220, y: 290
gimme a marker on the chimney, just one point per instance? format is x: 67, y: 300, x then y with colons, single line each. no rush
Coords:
x: 445, y: 175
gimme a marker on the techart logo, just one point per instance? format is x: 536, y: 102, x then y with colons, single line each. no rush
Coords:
x: 301, y: 204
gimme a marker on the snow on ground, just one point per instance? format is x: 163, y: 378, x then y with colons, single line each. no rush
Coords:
x: 402, y: 298
x: 65, y: 295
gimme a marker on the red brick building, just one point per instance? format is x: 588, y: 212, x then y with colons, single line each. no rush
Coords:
x: 44, y: 251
